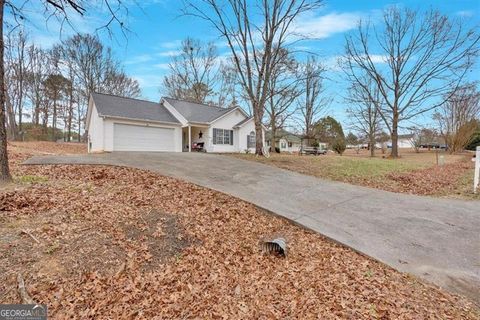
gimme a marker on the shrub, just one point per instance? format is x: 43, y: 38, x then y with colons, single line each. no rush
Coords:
x: 339, y: 146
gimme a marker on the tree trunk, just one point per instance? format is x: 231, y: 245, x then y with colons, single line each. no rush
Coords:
x: 258, y: 131
x: 20, y: 112
x: 372, y: 145
x: 70, y: 114
x: 394, y: 136
x: 4, y: 169
x: 45, y: 118
x: 79, y: 120
x: 273, y: 142
x: 36, y: 117
x: 11, y: 124
x: 54, y: 120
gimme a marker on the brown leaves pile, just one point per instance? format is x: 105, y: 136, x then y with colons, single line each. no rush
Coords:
x: 45, y: 147
x: 100, y: 229
x: 436, y: 180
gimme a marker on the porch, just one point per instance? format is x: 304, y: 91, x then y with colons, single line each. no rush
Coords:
x: 193, y: 137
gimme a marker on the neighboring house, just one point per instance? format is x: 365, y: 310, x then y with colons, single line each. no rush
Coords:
x: 124, y: 124
x: 285, y: 141
x: 404, y: 141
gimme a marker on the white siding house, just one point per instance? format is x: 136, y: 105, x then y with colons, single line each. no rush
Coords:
x: 124, y: 124
x: 285, y: 141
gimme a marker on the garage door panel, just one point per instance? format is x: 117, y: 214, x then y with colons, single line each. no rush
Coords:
x: 140, y: 138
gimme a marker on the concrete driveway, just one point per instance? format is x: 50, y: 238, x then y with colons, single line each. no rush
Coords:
x: 435, y: 239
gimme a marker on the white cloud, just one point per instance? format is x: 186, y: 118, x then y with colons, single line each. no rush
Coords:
x: 378, y: 58
x: 163, y: 66
x: 324, y: 26
x: 148, y: 80
x: 465, y: 13
x: 169, y: 53
x: 139, y: 59
x: 333, y: 63
x: 171, y: 44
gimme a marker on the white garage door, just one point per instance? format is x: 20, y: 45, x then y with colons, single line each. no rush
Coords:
x: 138, y: 138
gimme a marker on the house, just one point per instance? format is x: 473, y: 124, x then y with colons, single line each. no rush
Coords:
x: 289, y: 142
x: 285, y: 141
x: 404, y: 141
x: 124, y: 124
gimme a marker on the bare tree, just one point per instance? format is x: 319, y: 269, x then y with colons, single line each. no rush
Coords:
x: 35, y: 77
x: 193, y: 72
x: 55, y: 91
x: 363, y: 112
x: 118, y: 83
x: 414, y: 59
x: 93, y: 69
x: 61, y: 10
x: 254, y: 42
x: 4, y: 168
x: 16, y: 66
x: 284, y: 90
x: 313, y: 102
x: 421, y: 137
x: 457, y: 118
x: 227, y: 85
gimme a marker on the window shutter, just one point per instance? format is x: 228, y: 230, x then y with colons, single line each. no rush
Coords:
x: 214, y: 136
x: 231, y: 137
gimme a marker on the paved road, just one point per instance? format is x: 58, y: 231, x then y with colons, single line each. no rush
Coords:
x: 435, y: 239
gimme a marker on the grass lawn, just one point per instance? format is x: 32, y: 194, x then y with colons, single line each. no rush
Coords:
x: 118, y: 243
x: 415, y: 173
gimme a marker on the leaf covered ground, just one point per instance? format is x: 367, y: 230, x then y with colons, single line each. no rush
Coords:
x: 124, y: 243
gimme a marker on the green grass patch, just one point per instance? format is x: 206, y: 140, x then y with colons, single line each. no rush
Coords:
x: 339, y: 168
x: 32, y: 179
x: 52, y: 249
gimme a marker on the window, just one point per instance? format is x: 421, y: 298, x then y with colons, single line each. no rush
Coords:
x: 251, y: 140
x: 222, y: 136
x: 283, y: 145
x: 290, y: 144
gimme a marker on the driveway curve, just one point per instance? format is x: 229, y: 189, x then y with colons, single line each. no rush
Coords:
x: 435, y: 239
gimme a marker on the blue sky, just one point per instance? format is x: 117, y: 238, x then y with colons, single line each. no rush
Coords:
x: 157, y: 28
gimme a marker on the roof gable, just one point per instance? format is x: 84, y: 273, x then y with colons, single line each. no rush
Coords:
x: 115, y: 106
x: 241, y: 123
x: 197, y: 112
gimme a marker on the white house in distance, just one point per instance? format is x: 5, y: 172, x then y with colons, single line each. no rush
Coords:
x: 124, y: 124
x: 289, y: 142
x: 404, y: 141
x: 285, y: 141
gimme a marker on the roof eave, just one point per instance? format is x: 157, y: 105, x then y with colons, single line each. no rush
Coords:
x: 138, y: 119
x: 206, y: 124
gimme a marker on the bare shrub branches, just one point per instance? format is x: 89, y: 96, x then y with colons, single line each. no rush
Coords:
x: 458, y: 117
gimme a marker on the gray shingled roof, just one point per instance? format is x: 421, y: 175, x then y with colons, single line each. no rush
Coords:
x: 114, y: 106
x: 242, y: 122
x: 196, y: 112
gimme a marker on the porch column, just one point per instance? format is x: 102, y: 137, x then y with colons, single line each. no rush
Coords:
x: 189, y: 138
